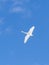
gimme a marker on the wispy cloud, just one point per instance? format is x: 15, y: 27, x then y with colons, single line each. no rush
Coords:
x: 20, y: 6
x: 17, y: 6
x: 23, y: 7
x: 17, y: 9
x: 8, y: 30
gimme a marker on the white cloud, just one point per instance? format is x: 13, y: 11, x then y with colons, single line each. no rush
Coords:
x: 8, y: 30
x: 21, y: 6
x: 17, y: 9
x: 17, y: 6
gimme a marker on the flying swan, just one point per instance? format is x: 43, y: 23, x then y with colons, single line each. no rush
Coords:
x: 28, y: 34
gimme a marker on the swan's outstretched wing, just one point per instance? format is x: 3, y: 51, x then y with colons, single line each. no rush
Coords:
x: 31, y: 29
x: 26, y: 38
x: 24, y: 32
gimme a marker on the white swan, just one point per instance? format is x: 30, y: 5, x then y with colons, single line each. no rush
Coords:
x: 28, y: 34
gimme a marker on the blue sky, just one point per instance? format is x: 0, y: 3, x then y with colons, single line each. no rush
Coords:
x: 17, y: 15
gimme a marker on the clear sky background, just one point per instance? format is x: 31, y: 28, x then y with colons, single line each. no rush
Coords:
x: 17, y: 15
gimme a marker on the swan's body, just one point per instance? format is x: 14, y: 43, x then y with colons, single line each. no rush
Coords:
x: 28, y: 34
